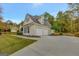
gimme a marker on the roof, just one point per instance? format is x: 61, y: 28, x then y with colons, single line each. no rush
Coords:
x: 36, y: 19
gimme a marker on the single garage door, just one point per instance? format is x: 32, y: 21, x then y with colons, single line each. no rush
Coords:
x: 41, y: 32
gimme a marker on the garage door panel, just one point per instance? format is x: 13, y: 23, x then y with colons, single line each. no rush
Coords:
x: 41, y: 32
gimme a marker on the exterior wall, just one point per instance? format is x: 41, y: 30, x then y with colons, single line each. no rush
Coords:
x: 33, y: 27
x: 38, y: 26
x: 24, y: 33
x: 28, y: 21
x: 14, y: 30
x: 41, y: 20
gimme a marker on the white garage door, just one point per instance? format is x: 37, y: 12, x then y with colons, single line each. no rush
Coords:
x: 41, y: 32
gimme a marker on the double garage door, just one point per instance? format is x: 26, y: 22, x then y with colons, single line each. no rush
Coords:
x: 41, y: 32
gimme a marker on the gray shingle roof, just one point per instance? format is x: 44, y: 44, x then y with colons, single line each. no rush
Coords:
x: 36, y: 19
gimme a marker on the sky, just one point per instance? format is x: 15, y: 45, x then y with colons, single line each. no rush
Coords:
x: 16, y: 11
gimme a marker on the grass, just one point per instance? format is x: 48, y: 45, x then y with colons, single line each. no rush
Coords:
x: 10, y: 44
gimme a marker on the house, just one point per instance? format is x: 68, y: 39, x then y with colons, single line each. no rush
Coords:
x: 20, y: 27
x: 14, y: 29
x: 36, y: 26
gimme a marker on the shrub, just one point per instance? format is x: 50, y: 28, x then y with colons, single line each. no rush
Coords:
x: 77, y: 34
x: 60, y: 33
x: 55, y: 34
x: 14, y: 33
x: 9, y: 30
x: 0, y: 30
x: 0, y: 33
x: 19, y: 33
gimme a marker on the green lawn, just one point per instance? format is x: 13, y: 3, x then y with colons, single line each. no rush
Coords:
x: 9, y: 44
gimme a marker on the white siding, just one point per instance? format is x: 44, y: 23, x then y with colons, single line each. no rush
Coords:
x: 37, y: 30
x: 28, y: 21
x: 41, y: 20
x: 25, y: 30
x: 41, y: 31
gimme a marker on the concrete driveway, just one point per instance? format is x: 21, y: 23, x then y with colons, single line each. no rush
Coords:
x: 51, y: 46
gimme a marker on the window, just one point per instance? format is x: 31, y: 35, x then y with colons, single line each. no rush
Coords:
x: 26, y: 29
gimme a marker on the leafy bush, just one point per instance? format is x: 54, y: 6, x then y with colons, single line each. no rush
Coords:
x: 14, y: 33
x: 9, y: 30
x: 60, y: 33
x: 0, y: 31
x: 55, y: 34
x: 19, y: 33
x: 77, y: 34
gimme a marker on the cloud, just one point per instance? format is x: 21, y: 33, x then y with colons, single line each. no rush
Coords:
x: 37, y: 4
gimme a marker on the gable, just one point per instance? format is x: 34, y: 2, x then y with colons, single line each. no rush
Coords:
x: 41, y: 20
x: 27, y: 21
